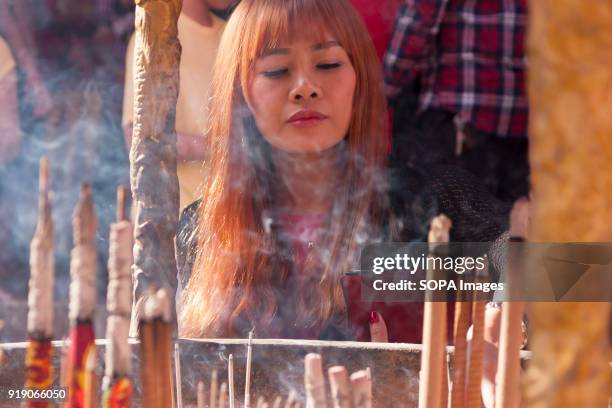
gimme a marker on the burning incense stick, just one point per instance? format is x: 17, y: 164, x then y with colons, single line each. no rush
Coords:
x: 201, y: 395
x: 261, y: 402
x: 247, y: 385
x: 477, y: 349
x: 82, y: 297
x: 362, y: 389
x: 39, y: 372
x: 277, y: 402
x: 214, y: 385
x: 340, y: 387
x: 117, y: 384
x: 230, y: 380
x: 434, y: 323
x: 223, y: 395
x: 508, y: 367
x: 314, y: 381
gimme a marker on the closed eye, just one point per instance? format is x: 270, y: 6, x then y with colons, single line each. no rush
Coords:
x: 329, y: 66
x: 276, y: 73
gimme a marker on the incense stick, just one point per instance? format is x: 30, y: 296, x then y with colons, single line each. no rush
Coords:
x: 83, y: 293
x: 39, y: 371
x: 361, y: 385
x: 117, y: 383
x: 223, y: 395
x: 508, y: 368
x: 340, y: 387
x: 201, y: 395
x: 290, y: 399
x: 434, y: 322
x: 179, y: 380
x: 247, y: 385
x: 477, y: 348
x: 214, y: 385
x: 314, y: 382
x: 230, y: 380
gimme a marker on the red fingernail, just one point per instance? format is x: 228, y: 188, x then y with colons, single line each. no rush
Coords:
x: 374, y: 318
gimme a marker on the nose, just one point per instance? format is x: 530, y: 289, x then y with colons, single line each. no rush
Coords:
x: 305, y: 89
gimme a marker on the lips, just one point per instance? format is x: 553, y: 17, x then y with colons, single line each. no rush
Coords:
x: 306, y: 118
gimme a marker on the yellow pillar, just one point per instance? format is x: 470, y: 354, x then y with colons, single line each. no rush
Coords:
x: 570, y: 92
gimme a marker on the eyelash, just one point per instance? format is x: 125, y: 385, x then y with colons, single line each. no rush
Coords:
x: 280, y: 72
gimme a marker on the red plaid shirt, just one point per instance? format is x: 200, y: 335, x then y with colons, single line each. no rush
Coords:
x: 469, y: 57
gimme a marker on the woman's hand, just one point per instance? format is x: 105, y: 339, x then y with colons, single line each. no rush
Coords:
x: 378, y: 328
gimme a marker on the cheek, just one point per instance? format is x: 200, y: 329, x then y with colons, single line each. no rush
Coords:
x: 343, y: 98
x: 264, y: 104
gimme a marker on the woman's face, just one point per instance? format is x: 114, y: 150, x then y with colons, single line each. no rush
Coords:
x: 301, y: 95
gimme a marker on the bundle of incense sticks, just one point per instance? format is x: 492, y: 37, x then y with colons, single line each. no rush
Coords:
x: 508, y: 367
x: 117, y: 382
x: 39, y: 372
x: 155, y: 348
x: 82, y: 302
x: 432, y: 392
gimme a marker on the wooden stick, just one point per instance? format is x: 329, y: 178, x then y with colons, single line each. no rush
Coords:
x: 261, y: 402
x: 277, y: 402
x: 201, y: 395
x: 477, y: 349
x: 314, y: 381
x: 434, y: 324
x: 340, y: 387
x: 230, y: 380
x: 507, y: 390
x: 214, y: 388
x: 247, y: 385
x: 361, y: 384
x: 223, y: 395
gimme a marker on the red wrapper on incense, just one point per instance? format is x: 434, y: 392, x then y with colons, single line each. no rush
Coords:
x: 82, y: 300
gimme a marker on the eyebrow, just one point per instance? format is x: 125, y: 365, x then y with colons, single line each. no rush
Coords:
x: 285, y: 51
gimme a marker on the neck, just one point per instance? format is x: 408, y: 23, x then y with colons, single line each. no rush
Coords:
x: 198, y: 11
x: 308, y: 181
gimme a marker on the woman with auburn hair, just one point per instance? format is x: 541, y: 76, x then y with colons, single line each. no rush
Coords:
x: 295, y: 183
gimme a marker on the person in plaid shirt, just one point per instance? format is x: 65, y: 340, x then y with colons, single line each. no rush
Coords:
x: 455, y: 75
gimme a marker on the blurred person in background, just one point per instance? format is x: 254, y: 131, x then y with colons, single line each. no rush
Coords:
x: 17, y: 27
x: 455, y: 74
x: 199, y: 33
x: 10, y: 141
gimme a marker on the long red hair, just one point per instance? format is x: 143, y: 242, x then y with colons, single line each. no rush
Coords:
x: 241, y: 269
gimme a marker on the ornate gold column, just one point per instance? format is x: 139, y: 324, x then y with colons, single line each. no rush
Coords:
x: 570, y: 91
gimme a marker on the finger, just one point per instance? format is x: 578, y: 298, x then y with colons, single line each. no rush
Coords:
x: 378, y: 328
